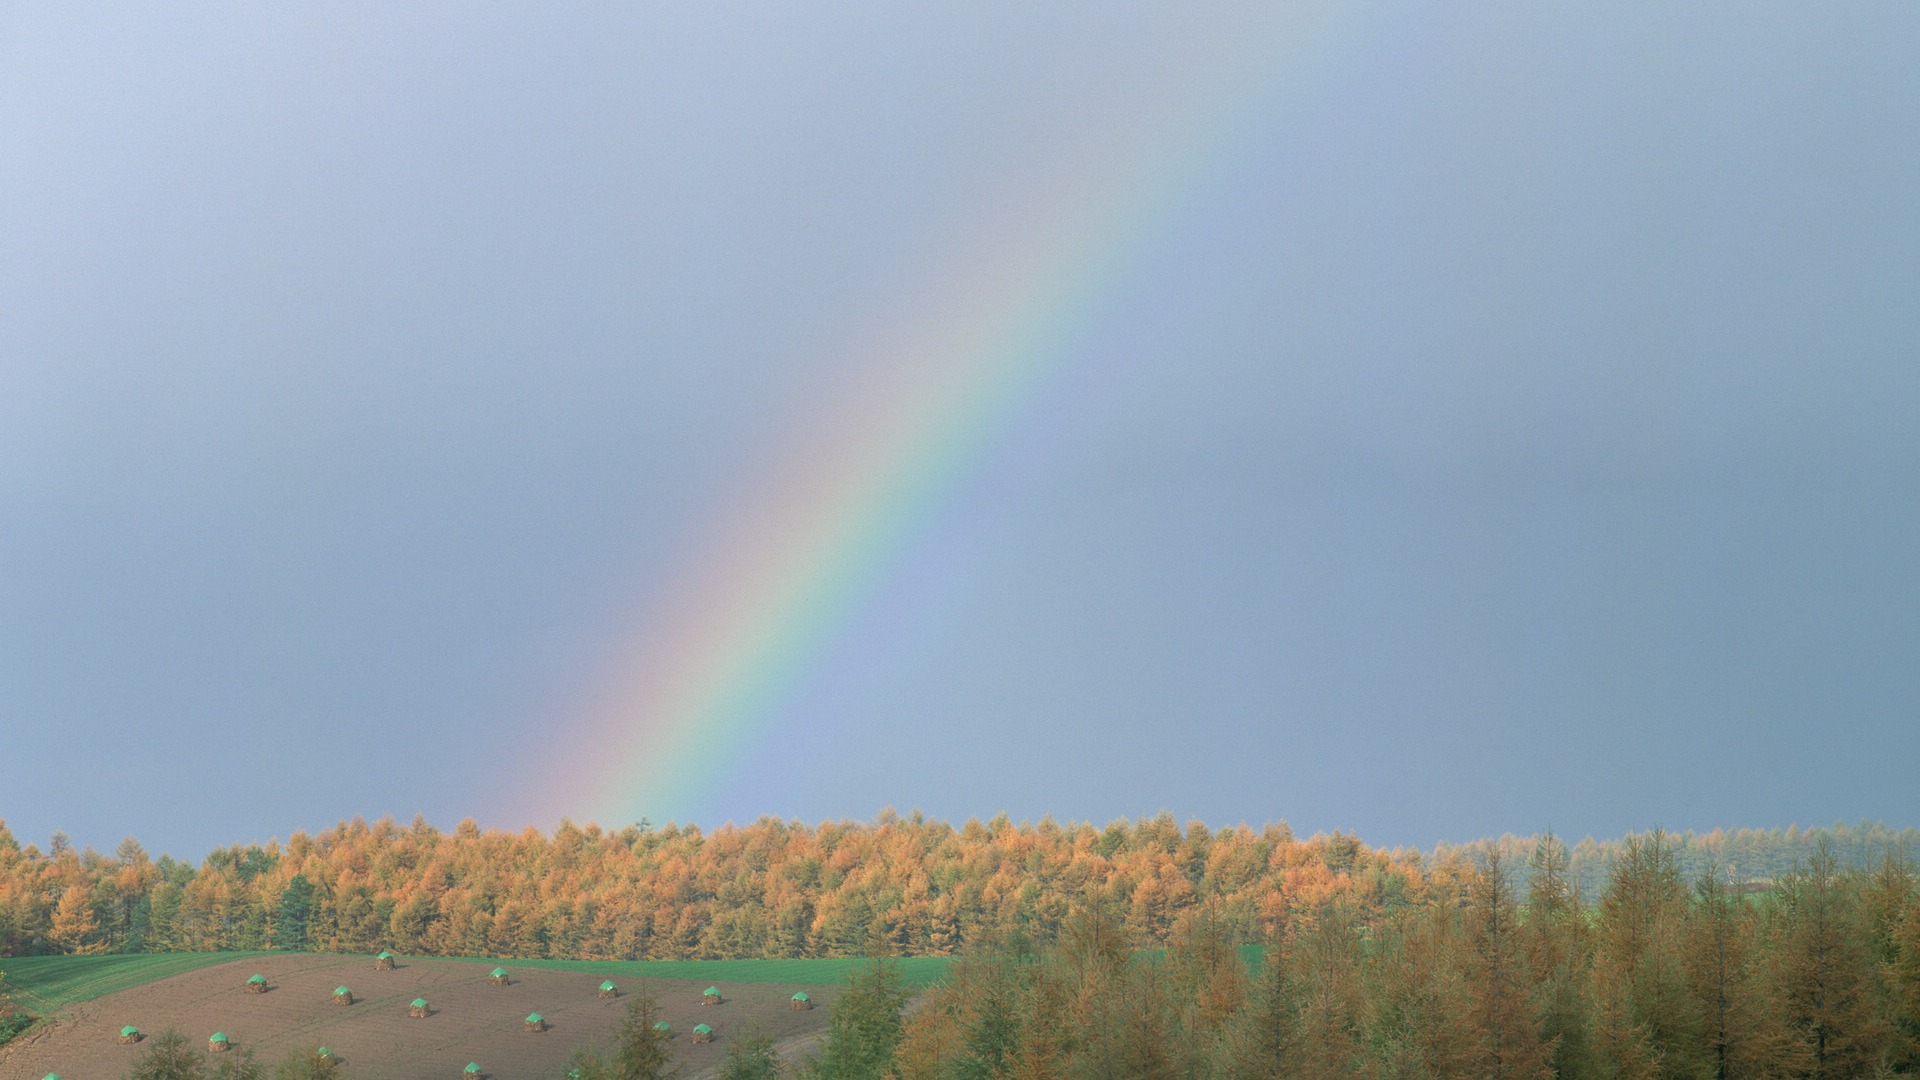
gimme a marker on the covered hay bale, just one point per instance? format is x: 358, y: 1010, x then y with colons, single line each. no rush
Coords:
x: 608, y: 990
x: 129, y: 1034
x: 417, y: 1007
x: 383, y: 962
x: 536, y: 1022
x: 497, y: 977
x: 218, y: 1043
x: 342, y: 996
x: 257, y: 984
x: 800, y: 1001
x: 702, y: 1033
x: 711, y: 996
x: 472, y: 1071
x: 323, y: 1054
x: 665, y: 1029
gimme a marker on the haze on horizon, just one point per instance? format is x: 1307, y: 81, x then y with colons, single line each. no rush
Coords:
x: 1498, y: 419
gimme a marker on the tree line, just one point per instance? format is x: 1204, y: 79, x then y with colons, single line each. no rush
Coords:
x: 1659, y: 978
x: 895, y: 886
x: 1481, y: 978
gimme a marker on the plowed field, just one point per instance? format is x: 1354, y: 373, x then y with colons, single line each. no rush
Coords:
x: 374, y: 1037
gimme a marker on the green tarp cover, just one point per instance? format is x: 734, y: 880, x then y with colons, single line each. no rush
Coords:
x: 384, y: 955
x: 608, y: 985
x: 535, y: 1018
x: 129, y: 1030
x: 497, y: 972
x: 323, y: 1052
x: 258, y: 979
x: 473, y: 1068
x: 714, y: 990
x: 702, y: 1029
x: 418, y: 1003
x: 663, y: 1026
x: 801, y: 996
x: 338, y: 990
x: 217, y: 1037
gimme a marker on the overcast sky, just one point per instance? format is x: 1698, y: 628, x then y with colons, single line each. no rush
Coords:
x: 1457, y: 419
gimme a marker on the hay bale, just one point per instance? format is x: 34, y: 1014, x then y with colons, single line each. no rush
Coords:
x: 418, y: 1008
x: 664, y: 1029
x: 799, y: 1001
x: 608, y: 990
x: 342, y: 996
x: 471, y: 1072
x: 130, y: 1034
x: 702, y: 1033
x: 218, y: 1043
x: 711, y: 996
x: 497, y: 977
x: 383, y: 962
x: 536, y: 1022
x: 257, y: 984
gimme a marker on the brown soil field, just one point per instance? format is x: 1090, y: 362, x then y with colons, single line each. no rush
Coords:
x: 374, y: 1038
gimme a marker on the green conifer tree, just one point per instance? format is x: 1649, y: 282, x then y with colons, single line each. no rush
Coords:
x: 863, y: 1028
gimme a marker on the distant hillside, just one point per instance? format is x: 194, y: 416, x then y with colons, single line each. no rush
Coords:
x: 1751, y: 857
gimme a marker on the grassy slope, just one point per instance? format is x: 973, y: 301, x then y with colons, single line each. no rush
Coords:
x: 45, y: 984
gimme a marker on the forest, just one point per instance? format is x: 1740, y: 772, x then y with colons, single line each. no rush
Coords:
x: 897, y: 886
x: 1477, y: 976
x: 1142, y: 950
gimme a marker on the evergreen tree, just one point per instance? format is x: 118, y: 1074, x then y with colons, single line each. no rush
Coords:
x: 1332, y: 1001
x: 169, y: 1057
x: 1263, y: 1038
x: 1903, y: 987
x: 863, y: 1028
x: 1644, y: 1017
x: 306, y: 1065
x: 1826, y: 973
x: 1740, y: 1035
x: 237, y: 1064
x: 1503, y: 1041
x: 1560, y: 954
x: 987, y: 997
x: 642, y: 1052
x: 750, y: 1056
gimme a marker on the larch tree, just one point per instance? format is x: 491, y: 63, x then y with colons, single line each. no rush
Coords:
x: 1332, y: 998
x: 1263, y: 1037
x: 1739, y: 1029
x: 1644, y: 1020
x: 1826, y: 972
x: 74, y: 927
x: 1560, y: 955
x: 1504, y: 1041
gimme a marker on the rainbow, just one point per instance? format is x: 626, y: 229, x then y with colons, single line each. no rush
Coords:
x: 713, y: 670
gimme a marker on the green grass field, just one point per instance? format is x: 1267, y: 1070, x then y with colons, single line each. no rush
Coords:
x: 46, y: 984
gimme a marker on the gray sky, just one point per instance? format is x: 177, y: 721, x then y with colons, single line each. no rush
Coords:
x: 1460, y: 421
